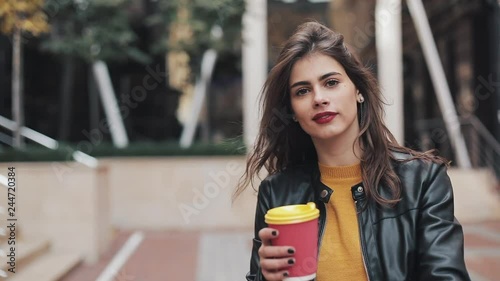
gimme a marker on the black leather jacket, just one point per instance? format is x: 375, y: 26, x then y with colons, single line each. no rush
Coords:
x: 418, y: 239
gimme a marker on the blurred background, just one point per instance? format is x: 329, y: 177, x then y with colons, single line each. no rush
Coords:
x: 128, y: 122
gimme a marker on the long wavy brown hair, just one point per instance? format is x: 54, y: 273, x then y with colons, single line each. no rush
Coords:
x: 281, y: 143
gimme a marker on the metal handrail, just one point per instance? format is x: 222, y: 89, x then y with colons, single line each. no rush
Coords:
x: 472, y: 120
x: 483, y: 132
x: 30, y: 134
x: 490, y: 153
x: 8, y: 140
x: 48, y: 142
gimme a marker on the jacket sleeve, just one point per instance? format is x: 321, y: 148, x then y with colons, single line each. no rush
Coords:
x: 440, y: 236
x: 263, y: 200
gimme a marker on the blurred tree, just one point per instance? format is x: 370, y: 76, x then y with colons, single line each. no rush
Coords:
x: 186, y: 30
x: 202, y: 17
x: 93, y: 30
x: 90, y: 30
x: 19, y: 17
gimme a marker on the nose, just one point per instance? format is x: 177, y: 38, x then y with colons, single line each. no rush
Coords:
x: 320, y: 99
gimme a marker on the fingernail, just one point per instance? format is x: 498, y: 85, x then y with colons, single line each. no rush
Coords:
x: 274, y: 233
x: 291, y: 251
x: 291, y: 261
x: 285, y: 274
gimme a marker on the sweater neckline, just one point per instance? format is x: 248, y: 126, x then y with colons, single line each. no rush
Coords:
x: 340, y: 172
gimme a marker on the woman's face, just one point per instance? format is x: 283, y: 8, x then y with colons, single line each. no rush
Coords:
x: 323, y: 99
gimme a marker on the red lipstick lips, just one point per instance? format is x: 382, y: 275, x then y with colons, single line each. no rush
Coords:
x: 324, y: 117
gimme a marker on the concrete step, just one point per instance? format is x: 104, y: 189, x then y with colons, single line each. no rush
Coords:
x: 25, y: 251
x: 476, y: 195
x: 49, y: 267
x: 217, y: 250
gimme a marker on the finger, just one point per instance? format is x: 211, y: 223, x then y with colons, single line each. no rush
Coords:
x: 274, y: 265
x: 275, y: 276
x: 266, y: 234
x: 276, y: 251
x: 276, y: 269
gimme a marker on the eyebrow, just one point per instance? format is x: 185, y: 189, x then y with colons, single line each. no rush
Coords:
x: 322, y: 77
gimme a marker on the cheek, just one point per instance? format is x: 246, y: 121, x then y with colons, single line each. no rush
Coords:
x: 350, y: 108
x: 297, y: 108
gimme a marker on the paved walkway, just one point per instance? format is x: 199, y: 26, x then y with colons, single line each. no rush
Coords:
x: 223, y: 256
x: 482, y: 250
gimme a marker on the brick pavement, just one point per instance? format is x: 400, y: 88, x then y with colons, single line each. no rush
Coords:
x: 482, y: 250
x: 223, y: 255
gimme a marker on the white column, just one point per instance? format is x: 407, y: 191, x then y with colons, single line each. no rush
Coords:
x: 200, y: 92
x: 254, y: 65
x: 439, y: 81
x: 390, y: 63
x: 110, y: 104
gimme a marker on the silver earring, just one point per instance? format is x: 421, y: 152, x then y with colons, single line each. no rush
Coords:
x: 361, y: 99
x: 294, y: 118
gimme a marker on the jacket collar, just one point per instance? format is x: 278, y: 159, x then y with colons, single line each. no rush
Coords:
x: 323, y: 192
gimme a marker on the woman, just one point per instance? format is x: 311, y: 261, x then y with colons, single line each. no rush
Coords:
x: 386, y: 211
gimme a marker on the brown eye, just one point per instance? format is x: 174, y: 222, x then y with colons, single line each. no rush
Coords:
x: 301, y: 92
x: 331, y: 83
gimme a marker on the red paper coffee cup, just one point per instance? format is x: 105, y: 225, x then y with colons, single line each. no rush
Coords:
x: 298, y: 227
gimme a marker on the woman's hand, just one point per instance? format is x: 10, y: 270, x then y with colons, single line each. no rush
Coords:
x: 274, y: 260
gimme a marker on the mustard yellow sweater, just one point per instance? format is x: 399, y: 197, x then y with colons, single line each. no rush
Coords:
x: 340, y: 255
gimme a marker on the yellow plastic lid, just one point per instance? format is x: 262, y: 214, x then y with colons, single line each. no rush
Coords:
x: 292, y: 214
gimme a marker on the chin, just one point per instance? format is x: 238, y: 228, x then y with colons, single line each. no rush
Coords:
x: 325, y: 135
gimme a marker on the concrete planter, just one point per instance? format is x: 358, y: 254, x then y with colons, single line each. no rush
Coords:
x: 66, y: 203
x: 178, y: 193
